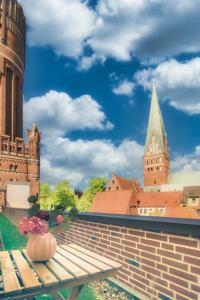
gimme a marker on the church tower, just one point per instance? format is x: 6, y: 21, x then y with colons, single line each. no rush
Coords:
x: 156, y: 155
x: 19, y: 162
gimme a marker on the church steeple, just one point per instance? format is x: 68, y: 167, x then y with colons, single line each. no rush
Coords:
x: 156, y: 156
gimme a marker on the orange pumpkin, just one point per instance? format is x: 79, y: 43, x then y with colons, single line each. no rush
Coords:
x: 41, y: 248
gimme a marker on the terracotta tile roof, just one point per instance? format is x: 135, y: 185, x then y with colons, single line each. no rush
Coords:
x: 182, y: 212
x: 124, y: 183
x: 115, y: 202
x: 159, y: 199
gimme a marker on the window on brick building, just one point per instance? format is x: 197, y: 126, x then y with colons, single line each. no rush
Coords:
x: 19, y: 150
x: 15, y: 167
x: 11, y: 167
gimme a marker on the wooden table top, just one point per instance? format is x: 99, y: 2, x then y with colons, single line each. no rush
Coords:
x: 71, y: 266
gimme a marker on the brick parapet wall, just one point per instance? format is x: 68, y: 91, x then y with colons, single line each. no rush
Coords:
x: 157, y: 265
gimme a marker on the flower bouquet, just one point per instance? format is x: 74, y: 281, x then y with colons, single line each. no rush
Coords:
x: 42, y: 244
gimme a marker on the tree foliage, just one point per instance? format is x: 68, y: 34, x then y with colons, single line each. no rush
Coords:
x: 62, y: 197
x: 97, y: 184
x: 45, y: 192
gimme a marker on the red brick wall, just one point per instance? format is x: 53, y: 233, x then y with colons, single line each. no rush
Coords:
x: 2, y: 198
x: 156, y: 265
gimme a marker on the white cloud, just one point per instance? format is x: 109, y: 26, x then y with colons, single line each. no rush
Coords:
x: 151, y: 30
x: 177, y: 82
x: 86, y: 62
x: 187, y: 162
x: 80, y: 160
x: 124, y: 88
x: 62, y: 25
x: 57, y: 114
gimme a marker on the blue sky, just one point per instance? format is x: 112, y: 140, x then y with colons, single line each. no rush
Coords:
x: 89, y: 68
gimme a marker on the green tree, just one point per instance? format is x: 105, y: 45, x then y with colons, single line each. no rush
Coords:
x: 97, y: 184
x: 62, y: 197
x: 45, y: 193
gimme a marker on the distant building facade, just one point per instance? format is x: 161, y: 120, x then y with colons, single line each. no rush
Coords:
x: 164, y: 193
x: 19, y: 162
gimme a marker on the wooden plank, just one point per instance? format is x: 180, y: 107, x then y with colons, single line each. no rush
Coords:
x: 27, y: 275
x: 96, y: 256
x: 100, y: 265
x: 57, y: 296
x: 10, y: 281
x: 24, y: 294
x: 71, y: 267
x: 43, y: 272
x: 75, y: 259
x: 75, y: 292
x: 60, y: 272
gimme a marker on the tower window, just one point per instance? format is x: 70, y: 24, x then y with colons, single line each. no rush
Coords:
x: 154, y: 181
x: 152, y: 169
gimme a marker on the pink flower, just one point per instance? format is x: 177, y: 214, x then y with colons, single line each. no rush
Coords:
x: 59, y: 219
x: 23, y: 225
x: 32, y: 225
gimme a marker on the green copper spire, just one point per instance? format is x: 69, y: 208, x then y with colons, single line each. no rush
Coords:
x: 156, y: 126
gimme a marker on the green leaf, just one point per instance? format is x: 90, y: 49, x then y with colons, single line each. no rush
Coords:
x: 34, y: 210
x: 32, y: 199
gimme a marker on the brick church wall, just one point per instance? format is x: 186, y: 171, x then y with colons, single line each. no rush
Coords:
x: 19, y: 162
x: 2, y: 198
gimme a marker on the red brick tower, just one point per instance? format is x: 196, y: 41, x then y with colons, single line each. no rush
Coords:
x: 156, y: 155
x: 18, y: 161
